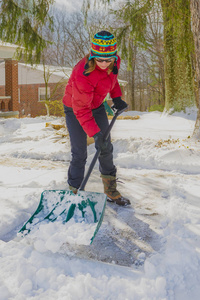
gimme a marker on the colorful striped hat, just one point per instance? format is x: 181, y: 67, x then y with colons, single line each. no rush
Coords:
x: 103, y: 44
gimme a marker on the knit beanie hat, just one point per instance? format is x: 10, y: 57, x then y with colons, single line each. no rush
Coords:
x: 103, y: 44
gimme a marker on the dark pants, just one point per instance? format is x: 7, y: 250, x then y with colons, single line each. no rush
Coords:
x: 78, y: 139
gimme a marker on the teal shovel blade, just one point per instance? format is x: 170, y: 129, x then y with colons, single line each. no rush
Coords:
x: 87, y: 207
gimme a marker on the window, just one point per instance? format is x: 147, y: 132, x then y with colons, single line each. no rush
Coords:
x: 42, y: 93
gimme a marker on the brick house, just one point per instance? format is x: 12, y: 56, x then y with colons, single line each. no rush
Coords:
x: 28, y: 87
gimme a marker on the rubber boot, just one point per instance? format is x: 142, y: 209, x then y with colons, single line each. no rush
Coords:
x: 73, y: 189
x: 110, y: 189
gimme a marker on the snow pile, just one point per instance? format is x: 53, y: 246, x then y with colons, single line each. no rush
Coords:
x: 168, y: 155
x: 9, y: 126
x: 52, y: 236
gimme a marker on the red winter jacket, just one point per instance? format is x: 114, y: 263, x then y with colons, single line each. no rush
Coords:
x: 84, y: 93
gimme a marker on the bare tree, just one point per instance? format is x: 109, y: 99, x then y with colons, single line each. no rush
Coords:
x: 71, y: 38
x: 70, y: 42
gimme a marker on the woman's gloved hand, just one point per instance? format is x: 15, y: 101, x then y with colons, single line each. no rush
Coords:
x: 119, y: 104
x: 99, y: 141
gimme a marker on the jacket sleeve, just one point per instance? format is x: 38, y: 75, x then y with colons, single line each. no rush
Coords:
x: 82, y: 97
x: 116, y: 91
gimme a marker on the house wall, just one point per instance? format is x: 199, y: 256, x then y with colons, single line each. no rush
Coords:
x: 29, y: 102
x: 2, y: 90
x: 21, y: 82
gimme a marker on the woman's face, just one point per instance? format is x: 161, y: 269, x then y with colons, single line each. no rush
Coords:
x: 103, y: 62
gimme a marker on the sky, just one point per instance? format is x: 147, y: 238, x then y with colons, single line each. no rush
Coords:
x: 69, y: 4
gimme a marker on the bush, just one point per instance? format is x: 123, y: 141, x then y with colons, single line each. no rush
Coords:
x: 156, y: 107
x: 56, y: 108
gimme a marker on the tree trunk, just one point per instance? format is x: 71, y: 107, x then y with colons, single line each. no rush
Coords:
x: 133, y: 78
x: 195, y: 13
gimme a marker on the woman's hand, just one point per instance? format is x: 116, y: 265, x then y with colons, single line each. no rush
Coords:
x: 119, y: 104
x: 100, y: 143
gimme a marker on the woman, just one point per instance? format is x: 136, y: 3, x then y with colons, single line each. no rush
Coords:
x: 91, y: 80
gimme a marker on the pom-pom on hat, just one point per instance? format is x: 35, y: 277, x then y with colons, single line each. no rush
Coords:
x: 103, y: 44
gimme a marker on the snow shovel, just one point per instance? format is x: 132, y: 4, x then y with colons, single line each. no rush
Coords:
x: 63, y: 205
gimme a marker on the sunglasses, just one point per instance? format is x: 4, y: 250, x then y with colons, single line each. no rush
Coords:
x: 104, y: 60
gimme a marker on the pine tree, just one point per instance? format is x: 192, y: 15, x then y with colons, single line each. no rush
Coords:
x: 21, y: 23
x: 178, y: 50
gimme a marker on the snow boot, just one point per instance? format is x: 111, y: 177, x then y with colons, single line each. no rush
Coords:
x: 73, y: 189
x: 110, y: 189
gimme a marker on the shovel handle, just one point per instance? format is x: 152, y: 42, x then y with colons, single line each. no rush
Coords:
x: 106, y: 135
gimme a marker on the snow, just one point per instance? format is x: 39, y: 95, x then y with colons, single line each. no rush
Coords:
x: 81, y: 229
x: 148, y: 251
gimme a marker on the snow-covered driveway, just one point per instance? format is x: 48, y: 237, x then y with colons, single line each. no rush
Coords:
x: 158, y: 237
